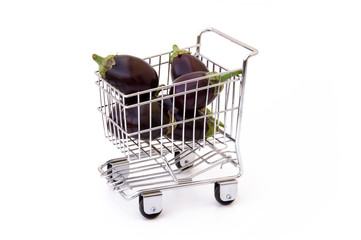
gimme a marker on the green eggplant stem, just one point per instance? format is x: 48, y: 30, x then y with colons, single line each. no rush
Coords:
x: 104, y: 63
x: 176, y: 52
x: 172, y: 120
x: 98, y: 59
x: 227, y: 76
x: 175, y: 48
x: 211, y: 125
x: 221, y: 124
x: 223, y: 78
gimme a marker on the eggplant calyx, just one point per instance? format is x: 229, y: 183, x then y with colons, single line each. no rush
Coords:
x: 104, y: 63
x: 211, y: 126
x: 220, y: 79
x: 177, y: 52
x: 172, y: 120
x: 220, y: 123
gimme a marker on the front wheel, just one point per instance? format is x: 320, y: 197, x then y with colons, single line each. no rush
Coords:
x: 225, y: 192
x: 150, y: 204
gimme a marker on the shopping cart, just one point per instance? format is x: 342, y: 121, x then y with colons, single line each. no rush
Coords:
x: 164, y: 157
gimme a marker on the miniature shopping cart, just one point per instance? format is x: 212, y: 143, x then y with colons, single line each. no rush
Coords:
x: 150, y: 165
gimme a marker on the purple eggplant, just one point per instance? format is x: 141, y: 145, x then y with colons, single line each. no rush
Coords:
x: 183, y: 121
x: 145, y: 119
x: 183, y: 62
x: 199, y: 127
x: 128, y: 74
x: 187, y: 101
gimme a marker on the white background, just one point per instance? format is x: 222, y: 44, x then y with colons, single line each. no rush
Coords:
x: 300, y: 128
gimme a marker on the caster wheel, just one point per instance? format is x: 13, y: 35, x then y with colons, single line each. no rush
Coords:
x: 225, y: 193
x: 182, y: 162
x: 151, y: 209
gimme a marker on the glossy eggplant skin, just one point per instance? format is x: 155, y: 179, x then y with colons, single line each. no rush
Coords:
x: 191, y: 103
x: 144, y: 119
x: 199, y: 130
x: 130, y: 74
x: 186, y: 63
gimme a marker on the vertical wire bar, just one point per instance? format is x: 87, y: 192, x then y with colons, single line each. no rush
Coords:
x: 240, y: 103
x: 173, y: 126
x: 138, y: 140
x: 205, y: 113
x: 161, y: 123
x: 105, y: 110
x: 150, y: 124
x: 121, y: 129
x: 102, y: 105
x: 226, y: 97
x: 109, y: 111
x: 184, y: 113
x: 194, y: 114
x: 168, y: 68
x: 160, y: 61
x: 126, y: 130
x: 118, y: 110
x: 115, y: 118
x: 217, y: 118
x: 218, y: 106
x: 232, y: 112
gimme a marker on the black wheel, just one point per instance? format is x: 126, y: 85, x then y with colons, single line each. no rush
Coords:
x: 178, y: 164
x: 141, y: 209
x: 217, y: 195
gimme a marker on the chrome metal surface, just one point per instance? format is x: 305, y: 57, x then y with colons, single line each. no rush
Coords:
x: 152, y: 202
x: 228, y: 190
x: 252, y: 49
x: 149, y: 163
x: 118, y: 169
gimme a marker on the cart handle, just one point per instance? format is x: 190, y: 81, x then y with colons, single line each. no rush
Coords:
x: 252, y: 49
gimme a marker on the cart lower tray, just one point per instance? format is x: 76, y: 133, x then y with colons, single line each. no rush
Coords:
x: 213, y: 163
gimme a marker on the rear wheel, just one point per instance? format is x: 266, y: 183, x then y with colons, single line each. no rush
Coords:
x: 181, y: 162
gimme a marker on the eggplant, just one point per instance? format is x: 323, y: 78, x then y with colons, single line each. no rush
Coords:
x: 128, y: 74
x: 144, y: 120
x: 197, y: 125
x: 199, y: 128
x: 201, y: 95
x: 182, y: 62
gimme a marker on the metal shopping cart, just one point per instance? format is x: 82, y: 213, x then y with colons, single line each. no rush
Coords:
x: 151, y: 165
